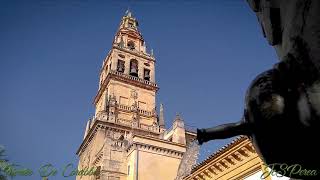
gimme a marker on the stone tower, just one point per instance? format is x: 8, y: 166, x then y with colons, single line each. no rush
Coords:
x: 126, y: 139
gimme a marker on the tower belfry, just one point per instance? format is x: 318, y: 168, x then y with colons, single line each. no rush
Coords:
x: 125, y: 129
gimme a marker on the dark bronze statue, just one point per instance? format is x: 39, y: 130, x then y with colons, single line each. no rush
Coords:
x: 282, y: 105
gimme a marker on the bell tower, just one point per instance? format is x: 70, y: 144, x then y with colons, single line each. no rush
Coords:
x: 127, y: 87
x: 126, y: 139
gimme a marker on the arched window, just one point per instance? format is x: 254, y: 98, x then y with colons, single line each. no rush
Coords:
x: 134, y: 67
x: 120, y: 66
x: 146, y: 74
x: 131, y: 45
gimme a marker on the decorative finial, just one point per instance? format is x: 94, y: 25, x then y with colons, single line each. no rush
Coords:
x: 178, y: 117
x: 128, y: 12
x: 161, y: 117
x: 151, y: 52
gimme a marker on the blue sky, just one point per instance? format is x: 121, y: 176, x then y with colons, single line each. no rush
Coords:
x: 207, y: 53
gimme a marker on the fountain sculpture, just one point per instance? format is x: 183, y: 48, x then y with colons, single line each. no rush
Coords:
x: 282, y: 105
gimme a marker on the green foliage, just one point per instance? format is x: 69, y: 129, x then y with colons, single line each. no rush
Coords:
x: 3, y: 160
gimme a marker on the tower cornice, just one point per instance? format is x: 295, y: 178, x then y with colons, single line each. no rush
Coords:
x: 136, y: 53
x: 100, y: 124
x: 130, y: 32
x: 135, y: 81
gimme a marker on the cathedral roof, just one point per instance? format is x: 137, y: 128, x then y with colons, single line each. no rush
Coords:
x: 219, y: 152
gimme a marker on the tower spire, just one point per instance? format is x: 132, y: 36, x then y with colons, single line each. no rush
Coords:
x: 128, y: 12
x: 129, y: 21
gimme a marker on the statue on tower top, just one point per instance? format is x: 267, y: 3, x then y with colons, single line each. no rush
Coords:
x: 128, y: 13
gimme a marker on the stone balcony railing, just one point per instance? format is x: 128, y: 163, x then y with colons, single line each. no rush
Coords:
x: 142, y: 126
x: 124, y: 122
x: 124, y: 107
x: 133, y: 78
x: 141, y: 111
x: 103, y: 116
x: 147, y: 113
x: 149, y: 128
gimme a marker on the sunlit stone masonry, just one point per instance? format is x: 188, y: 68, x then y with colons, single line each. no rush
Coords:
x: 126, y: 138
x: 237, y: 160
